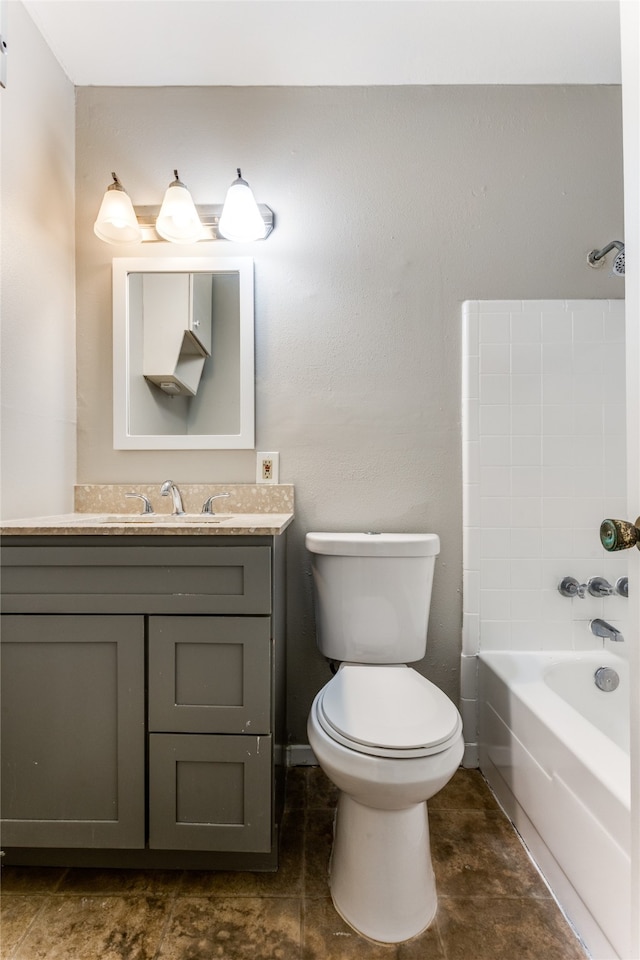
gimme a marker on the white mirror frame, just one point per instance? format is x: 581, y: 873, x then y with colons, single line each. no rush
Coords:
x: 123, y: 439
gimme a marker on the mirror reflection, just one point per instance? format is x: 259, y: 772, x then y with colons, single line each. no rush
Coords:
x: 183, y: 353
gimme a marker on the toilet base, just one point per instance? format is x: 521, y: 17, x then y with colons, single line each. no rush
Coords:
x: 381, y: 877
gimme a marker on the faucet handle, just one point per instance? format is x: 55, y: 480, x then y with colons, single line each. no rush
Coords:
x: 146, y: 503
x: 599, y: 587
x: 622, y: 586
x: 569, y: 587
x: 206, y: 506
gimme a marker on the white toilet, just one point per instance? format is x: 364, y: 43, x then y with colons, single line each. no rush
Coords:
x: 387, y: 737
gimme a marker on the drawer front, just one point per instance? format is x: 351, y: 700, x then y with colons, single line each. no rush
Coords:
x: 209, y: 792
x: 136, y: 579
x: 210, y: 674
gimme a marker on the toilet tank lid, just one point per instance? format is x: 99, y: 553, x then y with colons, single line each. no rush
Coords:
x: 374, y: 544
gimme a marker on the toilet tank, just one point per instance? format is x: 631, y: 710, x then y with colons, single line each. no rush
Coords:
x: 372, y: 593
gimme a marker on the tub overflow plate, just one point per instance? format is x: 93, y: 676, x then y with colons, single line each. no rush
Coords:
x: 606, y: 679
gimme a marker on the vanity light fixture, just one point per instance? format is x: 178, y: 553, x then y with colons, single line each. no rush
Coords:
x: 241, y: 219
x: 180, y: 220
x: 116, y: 221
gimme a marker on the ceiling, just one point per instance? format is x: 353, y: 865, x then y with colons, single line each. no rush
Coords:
x: 331, y: 42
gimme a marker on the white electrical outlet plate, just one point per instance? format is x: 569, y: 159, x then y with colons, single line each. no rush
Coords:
x: 267, y: 467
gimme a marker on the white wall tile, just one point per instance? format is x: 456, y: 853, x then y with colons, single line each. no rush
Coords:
x: 471, y: 591
x: 550, y: 465
x: 495, y: 604
x: 494, y: 542
x: 495, y: 574
x: 494, y: 327
x: 557, y: 326
x: 469, y: 714
x: 495, y: 451
x: 588, y: 324
x: 495, y: 481
x: 470, y: 382
x: 526, y: 419
x: 525, y: 574
x: 471, y: 503
x: 494, y: 388
x: 526, y: 451
x: 495, y: 512
x: 526, y: 481
x: 526, y: 327
x: 468, y: 677
x: 526, y: 358
x: 558, y: 512
x: 587, y: 359
x: 471, y: 452
x: 526, y: 542
x: 557, y: 358
x: 494, y: 358
x: 526, y: 388
x: 526, y: 512
x: 495, y: 419
x: 557, y: 388
x: 470, y: 633
x: 557, y: 451
x: 526, y: 604
x: 496, y: 634
x: 588, y: 419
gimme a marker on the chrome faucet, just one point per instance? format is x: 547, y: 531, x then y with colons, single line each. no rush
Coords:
x: 206, y: 506
x: 600, y: 628
x: 169, y: 487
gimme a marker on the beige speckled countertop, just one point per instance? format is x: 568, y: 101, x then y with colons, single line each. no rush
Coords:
x: 102, y: 509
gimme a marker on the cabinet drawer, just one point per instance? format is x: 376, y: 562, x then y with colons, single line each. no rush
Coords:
x: 209, y: 674
x: 168, y: 578
x: 209, y: 792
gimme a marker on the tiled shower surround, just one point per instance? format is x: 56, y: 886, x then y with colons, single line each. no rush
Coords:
x: 543, y: 411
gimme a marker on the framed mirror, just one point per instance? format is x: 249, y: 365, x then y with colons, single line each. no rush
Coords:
x: 183, y: 353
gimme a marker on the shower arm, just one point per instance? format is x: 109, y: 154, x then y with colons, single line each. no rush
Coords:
x: 597, y: 255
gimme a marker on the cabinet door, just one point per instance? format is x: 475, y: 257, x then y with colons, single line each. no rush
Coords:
x: 73, y: 731
x: 210, y: 674
x: 209, y: 792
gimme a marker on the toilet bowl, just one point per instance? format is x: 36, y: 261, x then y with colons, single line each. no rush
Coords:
x: 381, y: 876
x: 386, y: 736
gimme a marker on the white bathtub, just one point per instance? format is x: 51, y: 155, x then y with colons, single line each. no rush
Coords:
x: 555, y: 750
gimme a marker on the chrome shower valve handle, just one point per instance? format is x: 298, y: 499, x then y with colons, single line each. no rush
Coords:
x: 595, y: 587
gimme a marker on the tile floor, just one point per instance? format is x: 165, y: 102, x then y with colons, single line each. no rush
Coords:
x: 492, y: 903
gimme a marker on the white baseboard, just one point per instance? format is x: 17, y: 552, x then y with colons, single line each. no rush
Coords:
x: 470, y: 758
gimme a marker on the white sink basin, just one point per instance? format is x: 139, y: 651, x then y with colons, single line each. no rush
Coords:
x: 151, y: 518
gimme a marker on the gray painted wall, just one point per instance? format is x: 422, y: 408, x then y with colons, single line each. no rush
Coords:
x: 393, y: 205
x: 37, y: 256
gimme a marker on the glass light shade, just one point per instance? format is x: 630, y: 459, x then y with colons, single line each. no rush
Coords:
x: 178, y: 220
x: 116, y: 221
x: 241, y: 219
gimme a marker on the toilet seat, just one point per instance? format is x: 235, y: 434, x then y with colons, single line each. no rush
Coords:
x: 387, y: 711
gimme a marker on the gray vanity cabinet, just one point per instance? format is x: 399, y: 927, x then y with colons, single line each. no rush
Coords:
x: 210, y: 733
x: 73, y: 731
x: 143, y: 700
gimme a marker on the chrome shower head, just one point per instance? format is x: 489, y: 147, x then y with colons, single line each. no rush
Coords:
x: 618, y: 264
x: 596, y: 256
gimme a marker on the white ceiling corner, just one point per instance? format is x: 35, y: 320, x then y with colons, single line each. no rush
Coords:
x: 331, y: 42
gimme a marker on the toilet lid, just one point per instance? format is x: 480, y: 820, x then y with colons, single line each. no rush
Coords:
x: 387, y: 711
